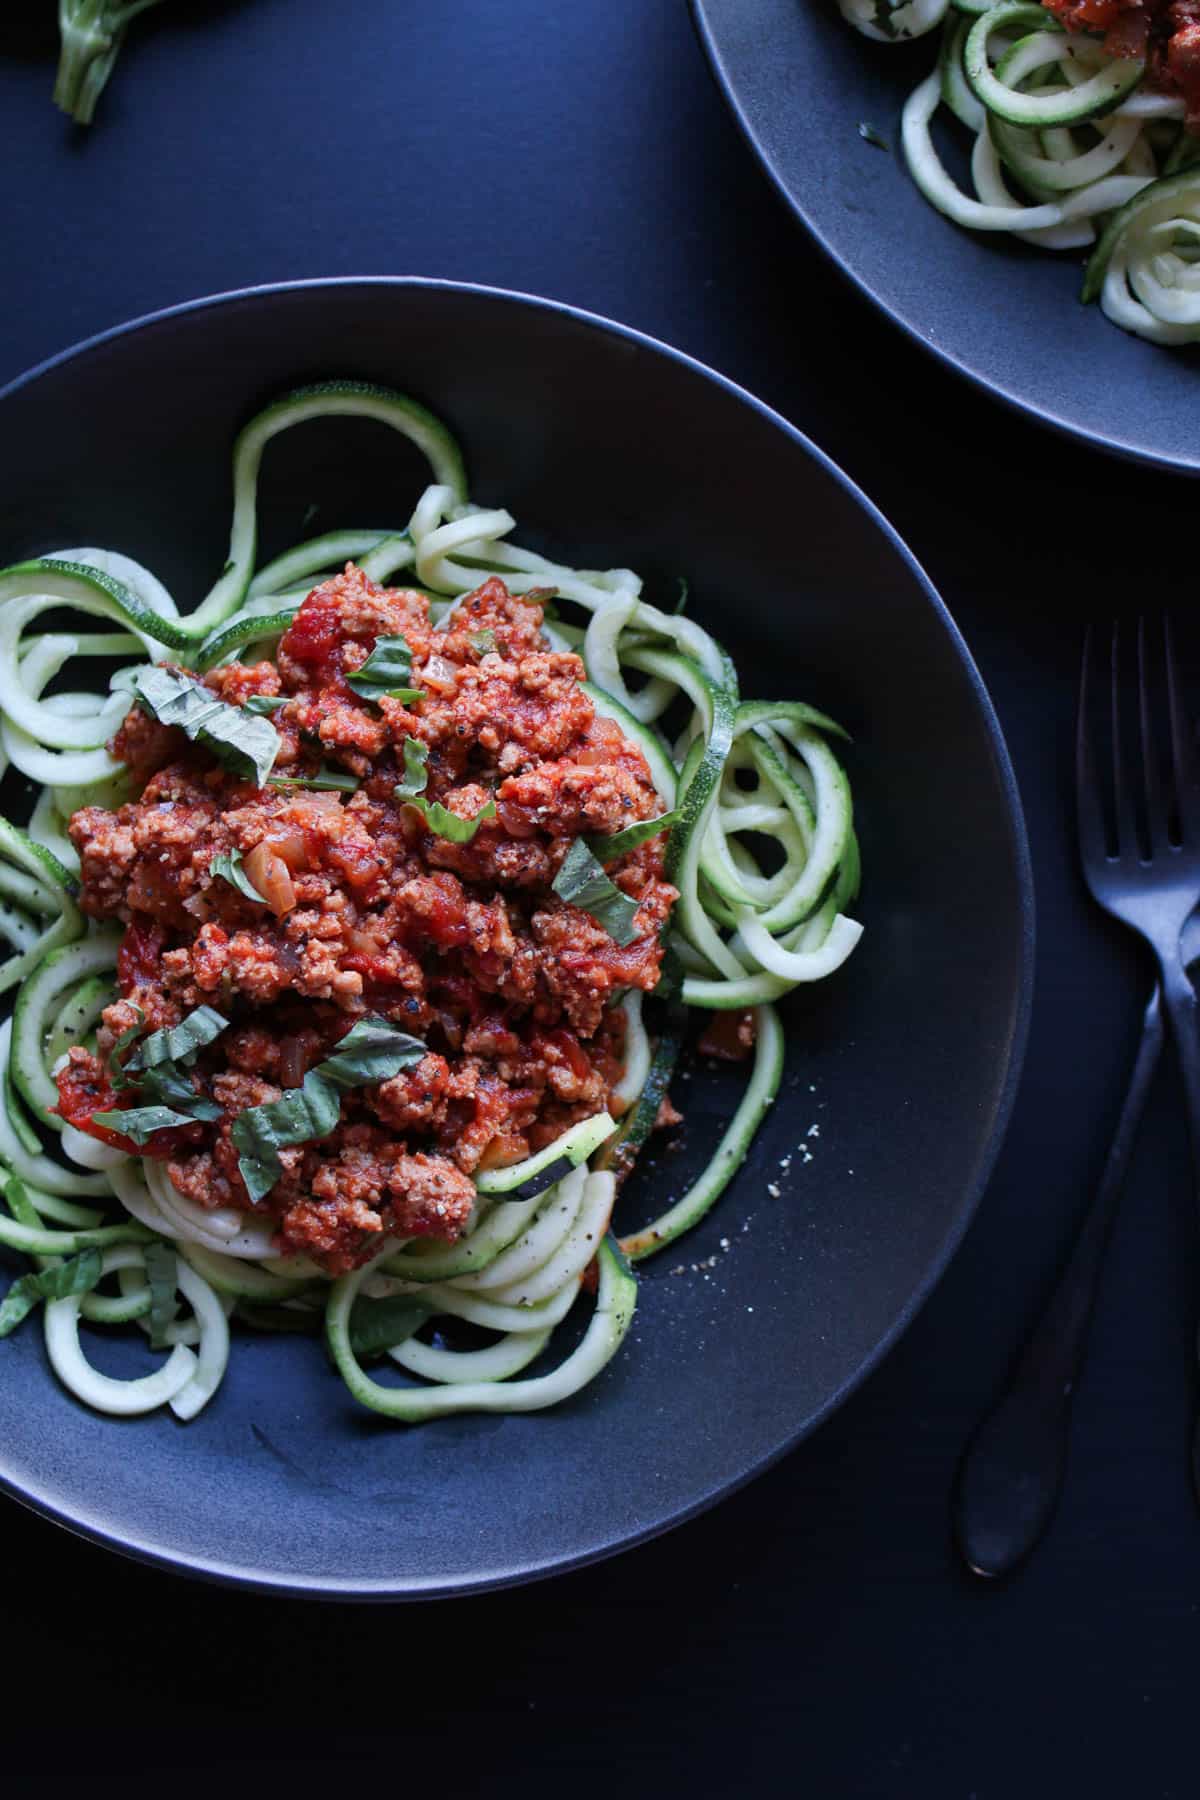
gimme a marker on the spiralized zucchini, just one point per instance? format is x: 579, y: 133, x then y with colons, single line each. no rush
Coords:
x: 742, y: 777
x: 1069, y: 150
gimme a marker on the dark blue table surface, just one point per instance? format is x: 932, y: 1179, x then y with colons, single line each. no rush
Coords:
x: 814, y: 1631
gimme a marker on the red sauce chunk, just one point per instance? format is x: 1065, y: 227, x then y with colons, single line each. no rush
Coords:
x: 1165, y: 32
x: 367, y: 910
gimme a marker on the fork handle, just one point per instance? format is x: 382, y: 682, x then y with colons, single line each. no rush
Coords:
x: 1011, y: 1473
x: 1180, y: 998
x: 1184, y: 1014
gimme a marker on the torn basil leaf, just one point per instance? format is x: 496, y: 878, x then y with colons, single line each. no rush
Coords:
x: 607, y: 849
x: 299, y: 1116
x: 325, y: 780
x: 445, y: 824
x: 483, y: 643
x: 78, y: 1275
x: 387, y: 672
x: 200, y: 1027
x: 582, y: 882
x: 160, y: 1069
x: 264, y: 704
x: 416, y: 771
x: 227, y: 865
x: 141, y: 1122
x: 379, y: 1325
x: 167, y: 1084
x: 162, y: 1273
x: 245, y: 745
x: 371, y: 1051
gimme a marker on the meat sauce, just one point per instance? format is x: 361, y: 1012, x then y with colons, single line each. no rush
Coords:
x: 366, y: 910
x: 1165, y: 32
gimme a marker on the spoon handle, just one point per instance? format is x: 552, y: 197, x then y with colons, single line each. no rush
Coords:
x: 1011, y: 1472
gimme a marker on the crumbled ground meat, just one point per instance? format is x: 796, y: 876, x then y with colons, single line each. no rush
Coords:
x: 1165, y: 32
x: 369, y: 911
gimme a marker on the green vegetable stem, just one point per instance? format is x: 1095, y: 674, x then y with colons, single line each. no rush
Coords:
x: 91, y: 33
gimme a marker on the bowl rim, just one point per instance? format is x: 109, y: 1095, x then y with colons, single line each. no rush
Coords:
x: 338, y: 1589
x: 1104, y: 442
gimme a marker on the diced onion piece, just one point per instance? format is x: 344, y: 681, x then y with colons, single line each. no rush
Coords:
x: 438, y: 673
x: 269, y: 874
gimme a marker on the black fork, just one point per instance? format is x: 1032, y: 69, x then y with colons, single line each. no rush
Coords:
x: 1138, y: 802
x: 1142, y: 862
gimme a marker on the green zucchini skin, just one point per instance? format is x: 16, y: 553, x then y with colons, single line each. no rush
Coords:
x: 616, y: 1301
x: 526, y: 1180
x: 540, y: 1226
x: 620, y: 1152
x: 1169, y: 187
x: 730, y: 1153
x: 1102, y: 94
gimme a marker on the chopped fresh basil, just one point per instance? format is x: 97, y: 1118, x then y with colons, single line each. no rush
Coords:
x: 265, y: 703
x: 868, y: 131
x: 483, y: 642
x: 246, y: 745
x: 141, y: 1122
x: 160, y: 1069
x: 78, y: 1275
x: 162, y: 1273
x: 371, y: 1051
x: 299, y: 1116
x: 387, y: 672
x: 378, y: 1325
x: 227, y: 865
x: 582, y: 883
x: 416, y: 771
x: 200, y: 1027
x: 607, y: 849
x: 168, y: 1084
x: 325, y: 780
x: 445, y: 824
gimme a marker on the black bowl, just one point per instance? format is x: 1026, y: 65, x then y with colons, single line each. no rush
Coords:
x: 1005, y: 314
x: 609, y: 448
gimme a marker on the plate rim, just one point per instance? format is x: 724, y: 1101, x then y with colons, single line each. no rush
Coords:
x: 1105, y: 443
x: 407, y: 1588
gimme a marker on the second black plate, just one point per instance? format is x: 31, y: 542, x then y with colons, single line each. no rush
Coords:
x: 1006, y: 315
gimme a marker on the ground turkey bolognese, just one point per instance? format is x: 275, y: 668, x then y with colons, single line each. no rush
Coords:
x: 366, y: 910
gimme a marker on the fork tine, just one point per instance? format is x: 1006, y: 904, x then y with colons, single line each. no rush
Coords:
x: 1152, y: 785
x: 1089, y: 812
x: 1183, y: 750
x: 1126, y: 818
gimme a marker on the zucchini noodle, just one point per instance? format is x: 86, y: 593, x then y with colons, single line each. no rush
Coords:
x: 1069, y: 149
x: 739, y: 779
